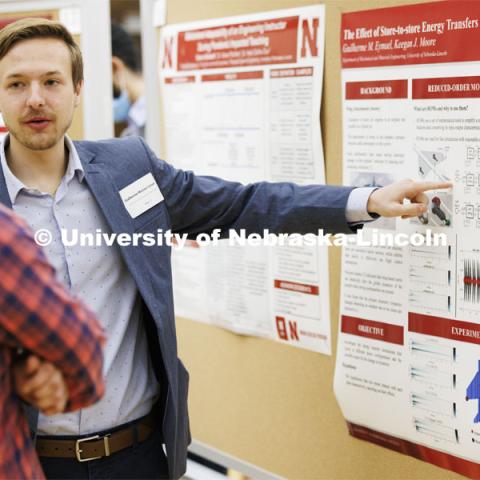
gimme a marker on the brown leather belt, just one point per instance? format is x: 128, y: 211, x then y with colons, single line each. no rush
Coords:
x: 97, y: 446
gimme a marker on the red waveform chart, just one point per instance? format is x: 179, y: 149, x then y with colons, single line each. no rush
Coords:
x: 468, y: 280
x: 471, y: 280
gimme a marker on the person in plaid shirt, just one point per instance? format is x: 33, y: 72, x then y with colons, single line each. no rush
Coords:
x: 38, y: 315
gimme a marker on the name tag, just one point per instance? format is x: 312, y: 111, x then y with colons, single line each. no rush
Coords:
x: 141, y: 195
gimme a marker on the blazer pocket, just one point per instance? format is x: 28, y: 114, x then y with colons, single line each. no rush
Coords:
x: 152, y: 220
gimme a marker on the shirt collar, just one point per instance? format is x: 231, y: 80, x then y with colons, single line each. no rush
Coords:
x: 74, y: 164
x: 14, y: 185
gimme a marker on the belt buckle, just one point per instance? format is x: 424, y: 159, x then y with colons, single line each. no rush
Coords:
x: 78, y: 451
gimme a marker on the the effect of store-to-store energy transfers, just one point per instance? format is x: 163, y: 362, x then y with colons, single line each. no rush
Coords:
x: 410, y: 326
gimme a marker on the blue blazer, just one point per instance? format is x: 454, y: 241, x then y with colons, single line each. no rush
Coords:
x: 192, y: 204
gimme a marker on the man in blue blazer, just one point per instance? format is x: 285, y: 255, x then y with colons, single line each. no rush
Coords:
x: 120, y: 186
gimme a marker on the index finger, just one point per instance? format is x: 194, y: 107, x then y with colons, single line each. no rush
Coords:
x: 419, y: 187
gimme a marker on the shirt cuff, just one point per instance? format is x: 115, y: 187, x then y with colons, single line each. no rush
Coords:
x: 356, y: 209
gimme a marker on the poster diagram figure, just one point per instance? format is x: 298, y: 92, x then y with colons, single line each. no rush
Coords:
x: 430, y: 167
x: 473, y: 392
x: 439, y: 212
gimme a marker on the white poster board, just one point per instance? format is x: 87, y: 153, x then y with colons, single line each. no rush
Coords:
x: 241, y: 99
x: 407, y: 372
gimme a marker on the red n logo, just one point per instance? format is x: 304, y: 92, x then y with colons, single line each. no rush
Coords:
x: 167, y: 53
x: 309, y: 36
x: 293, y: 330
x: 283, y: 331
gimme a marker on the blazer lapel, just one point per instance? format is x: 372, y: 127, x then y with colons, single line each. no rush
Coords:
x: 105, y: 191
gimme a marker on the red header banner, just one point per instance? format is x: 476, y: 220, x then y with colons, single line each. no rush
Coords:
x: 263, y: 42
x: 291, y: 72
x: 386, y: 332
x: 296, y: 287
x: 444, y: 328
x: 437, y: 32
x: 217, y: 77
x: 450, y: 87
x: 376, y: 89
x: 177, y: 80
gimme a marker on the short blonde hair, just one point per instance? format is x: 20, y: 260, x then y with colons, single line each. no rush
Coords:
x: 28, y: 28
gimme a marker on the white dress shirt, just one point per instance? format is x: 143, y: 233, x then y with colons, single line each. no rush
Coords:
x: 99, y: 276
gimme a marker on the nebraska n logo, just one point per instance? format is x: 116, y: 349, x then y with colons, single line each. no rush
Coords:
x: 167, y: 53
x: 310, y: 37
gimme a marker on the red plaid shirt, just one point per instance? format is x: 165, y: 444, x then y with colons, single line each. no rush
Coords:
x: 37, y: 314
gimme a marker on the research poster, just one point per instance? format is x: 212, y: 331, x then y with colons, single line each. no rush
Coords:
x: 408, y: 368
x: 241, y: 100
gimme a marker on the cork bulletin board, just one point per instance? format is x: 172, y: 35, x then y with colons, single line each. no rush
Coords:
x: 266, y: 404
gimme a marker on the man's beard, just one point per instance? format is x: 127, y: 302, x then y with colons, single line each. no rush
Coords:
x: 37, y: 141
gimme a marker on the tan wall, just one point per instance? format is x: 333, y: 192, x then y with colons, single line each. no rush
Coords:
x: 269, y: 404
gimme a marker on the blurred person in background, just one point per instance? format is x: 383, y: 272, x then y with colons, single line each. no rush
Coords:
x: 128, y: 85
